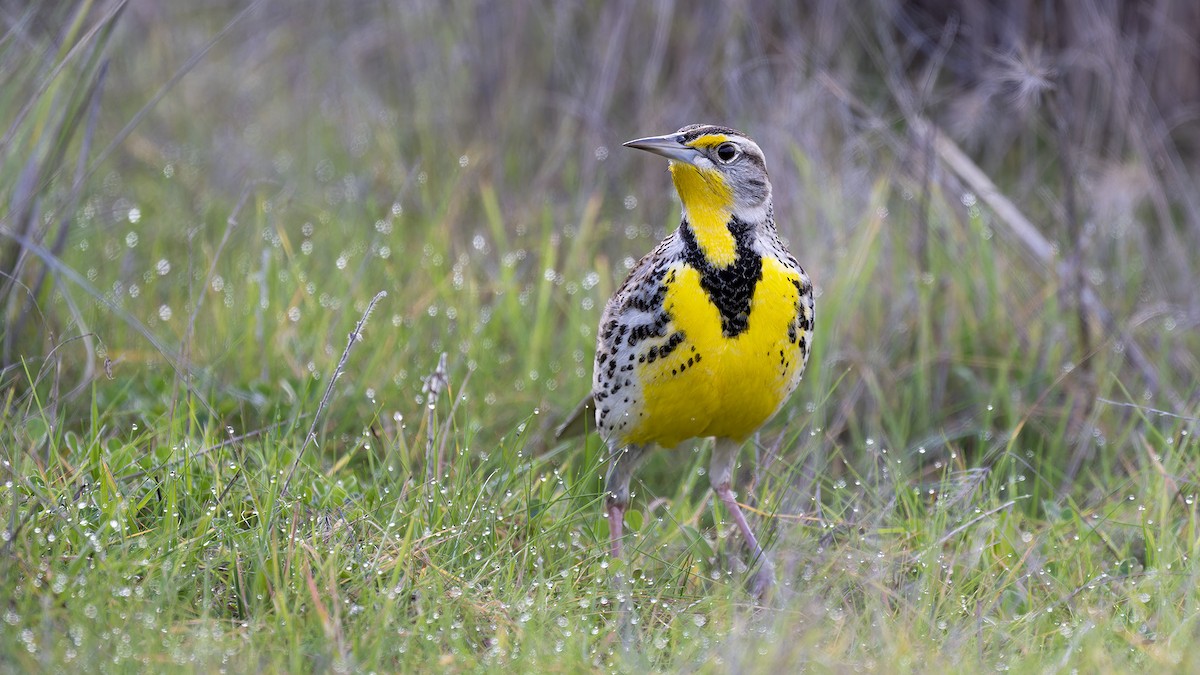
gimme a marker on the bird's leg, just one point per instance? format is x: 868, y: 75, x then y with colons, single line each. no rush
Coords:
x: 616, y: 516
x: 616, y: 487
x: 720, y: 473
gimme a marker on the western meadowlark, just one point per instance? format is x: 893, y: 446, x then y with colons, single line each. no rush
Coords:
x: 711, y: 331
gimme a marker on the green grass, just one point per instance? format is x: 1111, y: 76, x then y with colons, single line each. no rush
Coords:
x: 953, y: 486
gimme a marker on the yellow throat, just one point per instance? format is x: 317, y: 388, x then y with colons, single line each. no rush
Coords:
x: 707, y: 204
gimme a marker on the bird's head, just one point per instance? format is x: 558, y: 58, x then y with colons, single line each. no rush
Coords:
x: 714, y: 169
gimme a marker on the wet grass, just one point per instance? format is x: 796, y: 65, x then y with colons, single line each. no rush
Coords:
x: 958, y: 483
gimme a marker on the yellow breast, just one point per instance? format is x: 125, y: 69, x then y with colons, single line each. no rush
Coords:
x: 713, y: 385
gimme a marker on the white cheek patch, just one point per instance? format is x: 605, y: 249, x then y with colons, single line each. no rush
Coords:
x: 753, y: 214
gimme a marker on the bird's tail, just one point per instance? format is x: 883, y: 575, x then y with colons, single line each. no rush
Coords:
x: 581, y: 419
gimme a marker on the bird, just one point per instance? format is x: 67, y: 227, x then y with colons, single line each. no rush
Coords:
x: 710, y: 333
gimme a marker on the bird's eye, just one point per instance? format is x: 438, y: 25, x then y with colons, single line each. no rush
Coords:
x: 726, y: 152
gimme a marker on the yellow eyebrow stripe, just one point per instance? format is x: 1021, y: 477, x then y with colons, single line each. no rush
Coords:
x: 708, y: 141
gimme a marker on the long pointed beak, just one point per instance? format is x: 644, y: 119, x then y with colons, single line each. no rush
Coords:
x: 670, y: 146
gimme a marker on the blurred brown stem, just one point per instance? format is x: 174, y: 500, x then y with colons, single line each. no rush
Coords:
x: 1073, y: 281
x: 1028, y: 235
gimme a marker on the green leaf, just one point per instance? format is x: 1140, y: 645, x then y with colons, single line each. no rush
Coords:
x: 600, y: 529
x: 634, y: 520
x: 696, y: 543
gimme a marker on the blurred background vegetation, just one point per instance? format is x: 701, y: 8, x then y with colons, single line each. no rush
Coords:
x: 998, y: 204
x: 210, y: 193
